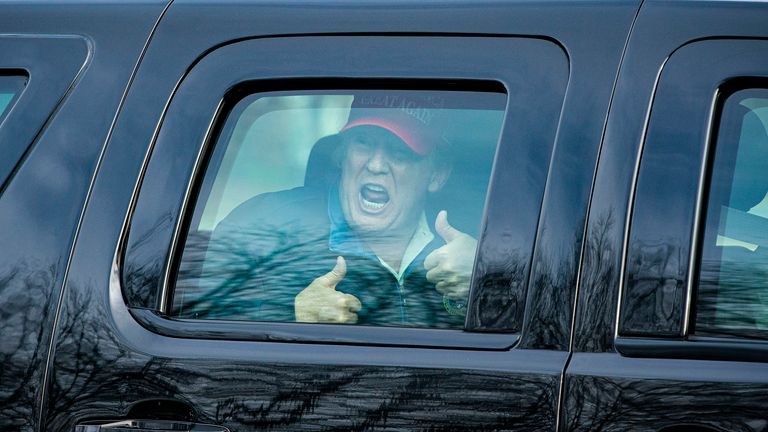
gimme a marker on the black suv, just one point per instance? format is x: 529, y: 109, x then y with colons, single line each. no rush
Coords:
x: 179, y: 179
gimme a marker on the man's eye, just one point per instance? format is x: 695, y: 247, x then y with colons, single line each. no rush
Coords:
x: 402, y: 155
x: 362, y: 143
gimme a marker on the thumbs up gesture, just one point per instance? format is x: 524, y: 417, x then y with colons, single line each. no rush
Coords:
x: 320, y: 302
x: 450, y: 267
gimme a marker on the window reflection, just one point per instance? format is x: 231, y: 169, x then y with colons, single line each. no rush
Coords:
x: 10, y: 88
x: 342, y: 207
x: 733, y: 281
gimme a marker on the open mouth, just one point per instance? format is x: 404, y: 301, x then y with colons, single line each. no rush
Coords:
x: 373, y: 197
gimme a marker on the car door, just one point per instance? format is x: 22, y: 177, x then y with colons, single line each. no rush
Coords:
x: 670, y: 328
x: 62, y: 76
x: 159, y: 194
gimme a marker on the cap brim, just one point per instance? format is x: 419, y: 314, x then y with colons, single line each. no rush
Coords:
x: 398, y: 131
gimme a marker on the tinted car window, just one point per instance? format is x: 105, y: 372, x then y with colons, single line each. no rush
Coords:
x: 350, y: 206
x: 733, y: 282
x: 10, y: 88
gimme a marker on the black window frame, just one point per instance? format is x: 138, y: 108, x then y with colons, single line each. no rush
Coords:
x: 682, y: 127
x: 151, y: 242
x: 247, y: 90
x: 727, y: 91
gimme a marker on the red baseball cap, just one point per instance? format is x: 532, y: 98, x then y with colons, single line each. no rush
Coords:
x: 410, y: 116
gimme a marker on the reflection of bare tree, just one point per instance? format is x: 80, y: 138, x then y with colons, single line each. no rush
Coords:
x: 83, y: 340
x: 499, y: 297
x: 599, y: 278
x: 653, y: 291
x: 551, y: 297
x: 239, y: 274
x: 93, y: 375
x: 26, y: 296
x: 622, y: 404
x: 376, y: 398
x: 254, y: 273
x: 143, y: 271
x: 582, y: 394
x: 97, y: 377
x: 733, y: 294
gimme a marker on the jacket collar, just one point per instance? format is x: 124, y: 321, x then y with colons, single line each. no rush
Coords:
x: 343, y: 240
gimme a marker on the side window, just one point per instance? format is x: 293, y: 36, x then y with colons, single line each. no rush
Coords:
x: 392, y: 192
x: 733, y: 277
x: 340, y: 206
x: 11, y: 86
x: 694, y: 237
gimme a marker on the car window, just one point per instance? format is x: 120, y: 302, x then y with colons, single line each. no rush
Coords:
x: 733, y: 279
x: 10, y: 88
x: 343, y: 206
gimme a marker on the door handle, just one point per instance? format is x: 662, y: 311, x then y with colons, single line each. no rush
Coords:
x: 150, y: 426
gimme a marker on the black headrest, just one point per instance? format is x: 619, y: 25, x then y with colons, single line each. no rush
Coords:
x: 322, y: 168
x: 750, y: 176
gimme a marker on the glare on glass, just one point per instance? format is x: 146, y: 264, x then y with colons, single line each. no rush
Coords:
x: 346, y: 207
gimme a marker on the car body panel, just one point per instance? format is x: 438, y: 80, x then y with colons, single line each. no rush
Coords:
x: 351, y: 387
x: 48, y: 170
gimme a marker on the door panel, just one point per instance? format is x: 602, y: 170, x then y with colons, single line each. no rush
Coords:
x: 307, y: 388
x: 50, y: 141
x: 135, y: 360
x: 639, y: 362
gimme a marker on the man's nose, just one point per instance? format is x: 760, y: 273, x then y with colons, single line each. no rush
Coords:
x: 378, y: 162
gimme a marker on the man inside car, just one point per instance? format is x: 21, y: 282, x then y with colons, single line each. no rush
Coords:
x: 362, y: 250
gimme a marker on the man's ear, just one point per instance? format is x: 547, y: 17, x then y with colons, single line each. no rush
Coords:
x: 440, y: 175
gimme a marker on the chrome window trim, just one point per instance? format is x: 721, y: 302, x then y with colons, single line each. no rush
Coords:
x: 693, y: 262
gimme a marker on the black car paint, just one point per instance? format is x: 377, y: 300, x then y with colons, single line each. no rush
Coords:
x: 46, y: 177
x: 104, y: 365
x: 627, y: 376
x: 529, y: 128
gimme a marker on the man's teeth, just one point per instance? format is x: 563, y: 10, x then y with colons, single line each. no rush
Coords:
x: 374, y: 197
x: 373, y: 205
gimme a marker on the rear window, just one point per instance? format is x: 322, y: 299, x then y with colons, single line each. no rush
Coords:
x: 733, y: 279
x: 10, y: 89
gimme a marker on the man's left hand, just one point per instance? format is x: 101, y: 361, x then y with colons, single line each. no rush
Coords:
x: 450, y: 267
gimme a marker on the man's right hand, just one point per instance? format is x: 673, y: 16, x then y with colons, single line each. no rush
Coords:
x: 321, y: 303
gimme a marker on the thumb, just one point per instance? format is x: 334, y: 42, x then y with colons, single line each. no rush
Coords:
x: 444, y: 229
x: 333, y: 277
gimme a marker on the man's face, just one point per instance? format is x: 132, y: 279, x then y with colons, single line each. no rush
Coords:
x: 383, y: 182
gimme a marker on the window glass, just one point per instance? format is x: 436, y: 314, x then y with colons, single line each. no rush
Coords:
x: 733, y: 280
x: 358, y: 206
x: 10, y: 87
